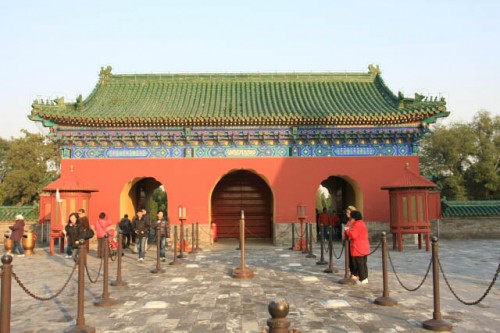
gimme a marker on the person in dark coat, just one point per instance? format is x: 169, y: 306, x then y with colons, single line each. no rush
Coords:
x: 126, y: 230
x: 141, y: 227
x: 74, y: 232
x: 17, y: 235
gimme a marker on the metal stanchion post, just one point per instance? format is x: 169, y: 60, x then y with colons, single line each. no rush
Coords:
x: 310, y: 253
x: 242, y: 272
x: 436, y: 324
x: 175, y: 261
x: 330, y: 268
x: 119, y: 282
x: 306, y: 245
x: 80, y: 326
x: 182, y: 241
x: 5, y: 306
x: 347, y: 275
x: 105, y: 299
x: 322, y: 257
x: 158, y: 268
x: 198, y: 248
x: 293, y: 236
x: 385, y: 300
x: 193, y: 245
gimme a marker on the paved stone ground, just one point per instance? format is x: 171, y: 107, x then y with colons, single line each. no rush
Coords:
x: 201, y: 296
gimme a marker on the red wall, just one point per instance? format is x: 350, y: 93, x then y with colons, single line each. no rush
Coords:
x: 190, y: 181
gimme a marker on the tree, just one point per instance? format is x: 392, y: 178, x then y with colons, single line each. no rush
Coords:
x: 462, y: 158
x: 482, y: 178
x: 30, y: 163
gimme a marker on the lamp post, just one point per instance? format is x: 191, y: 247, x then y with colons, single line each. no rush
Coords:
x: 301, y: 215
x: 182, y: 241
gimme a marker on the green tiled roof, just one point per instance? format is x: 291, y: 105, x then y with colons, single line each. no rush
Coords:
x: 470, y: 208
x: 158, y: 100
x: 8, y: 213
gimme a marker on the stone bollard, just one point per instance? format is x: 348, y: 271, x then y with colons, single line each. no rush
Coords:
x: 436, y: 324
x: 198, y: 248
x: 278, y: 323
x: 105, y: 299
x: 80, y: 326
x: 385, y: 299
x: 5, y: 306
x: 119, y: 282
x: 193, y: 239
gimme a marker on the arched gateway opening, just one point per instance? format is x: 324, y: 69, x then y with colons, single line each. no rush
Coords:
x: 145, y: 192
x: 336, y: 193
x: 237, y: 191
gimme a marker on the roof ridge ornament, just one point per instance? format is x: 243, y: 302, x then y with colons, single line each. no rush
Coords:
x: 105, y: 73
x: 374, y: 70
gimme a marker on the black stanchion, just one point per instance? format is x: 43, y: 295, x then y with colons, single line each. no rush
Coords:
x: 293, y: 237
x: 119, y: 282
x: 330, y: 268
x: 175, y: 261
x: 193, y: 238
x: 306, y: 247
x: 385, y: 299
x: 347, y: 275
x: 158, y: 268
x: 436, y: 324
x: 322, y: 247
x: 105, y: 299
x: 80, y: 326
x: 198, y: 248
x: 310, y: 253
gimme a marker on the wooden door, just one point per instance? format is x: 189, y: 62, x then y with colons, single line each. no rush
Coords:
x: 237, y: 191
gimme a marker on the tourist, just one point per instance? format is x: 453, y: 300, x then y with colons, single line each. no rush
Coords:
x: 359, y: 246
x: 151, y: 234
x: 324, y: 220
x: 17, y: 235
x: 71, y: 234
x: 348, y: 223
x: 126, y: 230
x: 101, y: 228
x: 141, y: 228
x: 164, y: 230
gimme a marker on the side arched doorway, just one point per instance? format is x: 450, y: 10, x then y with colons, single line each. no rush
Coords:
x: 144, y: 192
x: 336, y: 193
x: 237, y: 191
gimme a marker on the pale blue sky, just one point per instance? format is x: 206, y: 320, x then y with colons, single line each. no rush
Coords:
x: 444, y: 48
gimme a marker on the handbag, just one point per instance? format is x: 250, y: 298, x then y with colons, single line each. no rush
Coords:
x: 88, y: 233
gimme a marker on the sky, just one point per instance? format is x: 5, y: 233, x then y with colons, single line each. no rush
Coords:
x: 448, y: 48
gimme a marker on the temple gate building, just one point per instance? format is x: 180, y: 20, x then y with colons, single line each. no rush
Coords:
x: 222, y: 143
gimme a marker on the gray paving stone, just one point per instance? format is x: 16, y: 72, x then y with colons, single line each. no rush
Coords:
x: 201, y: 296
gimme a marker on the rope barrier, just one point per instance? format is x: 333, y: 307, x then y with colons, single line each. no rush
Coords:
x: 480, y: 298
x: 40, y: 298
x: 341, y: 251
x: 399, y: 280
x: 98, y: 272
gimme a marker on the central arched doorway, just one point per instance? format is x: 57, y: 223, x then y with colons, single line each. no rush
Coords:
x: 237, y: 191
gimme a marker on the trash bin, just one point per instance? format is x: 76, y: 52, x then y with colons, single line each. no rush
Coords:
x: 7, y: 242
x: 29, y: 242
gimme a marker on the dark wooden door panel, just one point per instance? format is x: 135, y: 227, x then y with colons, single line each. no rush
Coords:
x: 242, y: 190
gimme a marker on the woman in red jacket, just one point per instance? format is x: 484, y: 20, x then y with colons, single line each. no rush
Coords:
x: 360, y: 246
